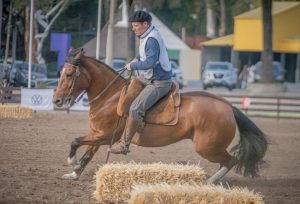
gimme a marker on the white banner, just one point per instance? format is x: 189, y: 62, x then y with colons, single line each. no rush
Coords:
x: 37, y: 99
x: 82, y: 105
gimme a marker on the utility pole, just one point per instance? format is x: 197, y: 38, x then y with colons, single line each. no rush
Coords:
x: 8, y: 33
x: 98, y: 30
x: 110, y: 31
x: 30, y: 44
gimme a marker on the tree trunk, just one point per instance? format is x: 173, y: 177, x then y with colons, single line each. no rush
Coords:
x: 14, y: 44
x: 267, y: 54
x: 222, y: 29
x: 8, y: 34
x: 210, y: 21
x: 1, y: 8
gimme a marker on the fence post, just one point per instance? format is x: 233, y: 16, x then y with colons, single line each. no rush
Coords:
x: 278, y: 108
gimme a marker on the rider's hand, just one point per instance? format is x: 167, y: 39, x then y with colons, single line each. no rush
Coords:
x: 127, y: 66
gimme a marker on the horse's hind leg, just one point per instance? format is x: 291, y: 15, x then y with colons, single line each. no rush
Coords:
x: 85, y: 159
x: 225, y: 168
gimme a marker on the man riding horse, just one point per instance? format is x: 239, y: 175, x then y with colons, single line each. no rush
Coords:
x: 154, y: 61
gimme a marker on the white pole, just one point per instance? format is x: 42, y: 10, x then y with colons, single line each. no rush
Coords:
x: 98, y: 30
x: 110, y: 32
x: 30, y: 44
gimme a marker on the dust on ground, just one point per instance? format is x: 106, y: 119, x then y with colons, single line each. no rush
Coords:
x: 33, y: 157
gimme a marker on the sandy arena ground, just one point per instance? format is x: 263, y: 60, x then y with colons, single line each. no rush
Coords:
x: 33, y: 157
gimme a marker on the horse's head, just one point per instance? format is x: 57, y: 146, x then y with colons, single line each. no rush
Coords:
x: 74, y: 79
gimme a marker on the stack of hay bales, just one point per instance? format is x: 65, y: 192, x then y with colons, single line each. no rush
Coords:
x: 114, y: 182
x: 160, y: 183
x: 169, y: 194
x: 15, y: 111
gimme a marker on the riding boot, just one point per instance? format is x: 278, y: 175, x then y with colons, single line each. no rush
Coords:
x: 122, y: 146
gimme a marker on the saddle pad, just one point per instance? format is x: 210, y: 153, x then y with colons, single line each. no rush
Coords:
x: 164, y: 112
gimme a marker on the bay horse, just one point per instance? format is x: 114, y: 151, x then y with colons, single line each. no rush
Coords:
x: 206, y: 119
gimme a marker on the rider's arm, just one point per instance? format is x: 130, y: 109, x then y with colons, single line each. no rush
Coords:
x: 152, y: 56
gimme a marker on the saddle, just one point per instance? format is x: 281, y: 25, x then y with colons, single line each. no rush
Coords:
x: 164, y: 112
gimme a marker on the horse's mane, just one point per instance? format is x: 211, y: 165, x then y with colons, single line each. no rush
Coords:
x: 102, y: 63
x: 71, y: 59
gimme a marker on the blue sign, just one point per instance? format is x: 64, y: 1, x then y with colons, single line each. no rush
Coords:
x: 61, y: 43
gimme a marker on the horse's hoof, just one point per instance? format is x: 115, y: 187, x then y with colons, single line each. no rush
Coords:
x: 71, y: 176
x: 72, y: 161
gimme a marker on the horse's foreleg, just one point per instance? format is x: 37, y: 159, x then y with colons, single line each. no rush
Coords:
x: 79, y: 167
x: 86, y: 158
x: 93, y: 143
x: 77, y: 142
x: 72, y: 156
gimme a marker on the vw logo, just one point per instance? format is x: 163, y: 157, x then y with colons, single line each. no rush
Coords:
x: 37, y: 99
x: 85, y: 102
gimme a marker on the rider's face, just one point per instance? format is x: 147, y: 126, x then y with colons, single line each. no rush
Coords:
x: 139, y: 28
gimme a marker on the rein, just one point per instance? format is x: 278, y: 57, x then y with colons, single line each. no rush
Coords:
x: 106, y: 88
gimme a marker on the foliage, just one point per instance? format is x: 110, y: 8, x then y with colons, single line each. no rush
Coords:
x: 191, y: 14
x: 40, y: 4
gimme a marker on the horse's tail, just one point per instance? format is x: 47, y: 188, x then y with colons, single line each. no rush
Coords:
x: 252, y: 146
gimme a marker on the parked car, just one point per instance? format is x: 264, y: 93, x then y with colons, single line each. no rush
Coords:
x: 218, y: 73
x: 4, y: 71
x: 119, y: 64
x: 278, y: 71
x: 19, y: 73
x: 177, y: 74
x: 51, y: 82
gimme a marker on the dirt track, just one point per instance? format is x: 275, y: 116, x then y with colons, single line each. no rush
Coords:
x: 33, y: 157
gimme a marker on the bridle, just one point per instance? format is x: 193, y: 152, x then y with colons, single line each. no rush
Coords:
x: 76, y: 74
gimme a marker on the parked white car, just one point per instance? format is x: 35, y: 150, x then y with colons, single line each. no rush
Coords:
x: 278, y: 71
x: 218, y: 73
x: 177, y: 74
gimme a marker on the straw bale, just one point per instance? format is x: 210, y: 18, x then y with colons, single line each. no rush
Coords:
x: 114, y: 181
x: 192, y: 194
x: 15, y: 111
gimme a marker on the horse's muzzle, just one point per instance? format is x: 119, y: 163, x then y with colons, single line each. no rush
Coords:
x: 57, y: 101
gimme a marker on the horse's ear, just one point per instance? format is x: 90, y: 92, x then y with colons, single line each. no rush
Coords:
x: 71, y: 49
x: 79, y: 54
x: 81, y: 51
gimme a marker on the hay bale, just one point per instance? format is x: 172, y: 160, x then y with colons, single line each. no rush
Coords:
x: 169, y: 194
x: 15, y: 111
x: 114, y: 181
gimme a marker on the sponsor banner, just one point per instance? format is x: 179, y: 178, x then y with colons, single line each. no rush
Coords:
x: 82, y: 105
x: 37, y: 99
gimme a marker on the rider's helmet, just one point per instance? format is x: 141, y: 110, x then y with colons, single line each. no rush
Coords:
x: 141, y: 16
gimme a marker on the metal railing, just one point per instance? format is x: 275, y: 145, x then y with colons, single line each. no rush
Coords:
x: 10, y: 95
x: 257, y: 106
x: 267, y: 106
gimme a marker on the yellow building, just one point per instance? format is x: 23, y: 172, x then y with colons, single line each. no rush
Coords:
x: 246, y: 44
